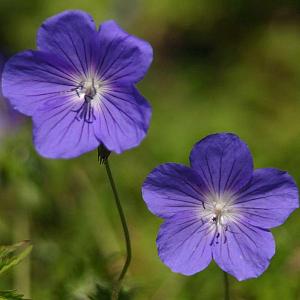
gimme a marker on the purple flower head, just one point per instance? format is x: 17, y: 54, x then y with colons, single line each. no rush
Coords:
x: 78, y: 87
x: 219, y: 208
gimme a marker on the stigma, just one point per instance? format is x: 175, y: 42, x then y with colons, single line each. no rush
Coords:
x: 89, y: 92
x: 218, y: 213
x: 88, y: 89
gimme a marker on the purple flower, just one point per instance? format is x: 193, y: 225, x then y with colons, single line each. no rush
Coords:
x: 219, y: 209
x: 78, y: 87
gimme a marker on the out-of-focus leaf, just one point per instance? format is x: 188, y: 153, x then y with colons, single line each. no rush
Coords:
x: 104, y: 293
x: 12, y: 255
x: 100, y: 293
x: 10, y: 295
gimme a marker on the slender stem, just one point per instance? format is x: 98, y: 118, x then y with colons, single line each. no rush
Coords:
x: 22, y: 276
x: 117, y: 287
x: 226, y: 286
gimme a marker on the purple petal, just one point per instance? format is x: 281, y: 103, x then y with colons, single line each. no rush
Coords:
x: 69, y: 35
x: 269, y: 199
x: 1, y: 69
x: 120, y: 56
x: 123, y: 118
x: 31, y: 78
x: 59, y: 132
x: 183, y: 243
x: 8, y: 117
x: 223, y: 161
x: 173, y: 188
x: 244, y: 251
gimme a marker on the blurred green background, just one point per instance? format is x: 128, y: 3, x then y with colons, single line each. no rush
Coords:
x: 231, y: 65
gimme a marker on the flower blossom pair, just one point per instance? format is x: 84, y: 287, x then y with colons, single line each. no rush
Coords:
x: 79, y: 89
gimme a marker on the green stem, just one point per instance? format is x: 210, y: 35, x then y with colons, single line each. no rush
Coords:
x: 22, y: 276
x: 117, y: 287
x: 226, y: 286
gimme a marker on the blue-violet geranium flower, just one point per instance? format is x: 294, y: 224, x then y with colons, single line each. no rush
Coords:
x: 219, y: 209
x: 78, y: 87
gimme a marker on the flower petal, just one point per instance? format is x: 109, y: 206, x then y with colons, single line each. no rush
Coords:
x: 59, y: 132
x: 172, y: 188
x: 123, y: 118
x: 223, y: 161
x: 32, y: 77
x: 244, y: 251
x: 69, y: 35
x: 269, y: 199
x: 183, y: 243
x: 1, y: 69
x: 121, y: 57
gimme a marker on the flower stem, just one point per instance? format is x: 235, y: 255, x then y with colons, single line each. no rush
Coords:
x: 226, y: 286
x: 117, y: 286
x: 22, y: 274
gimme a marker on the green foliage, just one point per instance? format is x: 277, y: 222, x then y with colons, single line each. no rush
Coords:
x: 104, y: 293
x: 10, y: 295
x: 12, y: 255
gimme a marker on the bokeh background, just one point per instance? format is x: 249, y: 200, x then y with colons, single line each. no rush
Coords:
x: 231, y: 65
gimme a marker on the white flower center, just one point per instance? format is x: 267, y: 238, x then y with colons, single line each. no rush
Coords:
x: 89, y: 92
x: 88, y: 89
x: 218, y: 212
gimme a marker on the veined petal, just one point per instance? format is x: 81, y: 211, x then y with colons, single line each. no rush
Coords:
x: 60, y: 132
x: 244, y: 251
x: 173, y: 188
x: 223, y: 161
x: 32, y: 77
x: 62, y: 80
x: 69, y: 35
x: 122, y: 118
x: 183, y: 243
x: 269, y: 198
x: 119, y: 56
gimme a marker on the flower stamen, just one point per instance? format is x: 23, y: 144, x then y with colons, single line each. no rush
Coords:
x: 87, y: 90
x: 220, y: 212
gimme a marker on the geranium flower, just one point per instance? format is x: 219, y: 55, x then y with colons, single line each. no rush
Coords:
x: 78, y: 87
x: 219, y: 209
